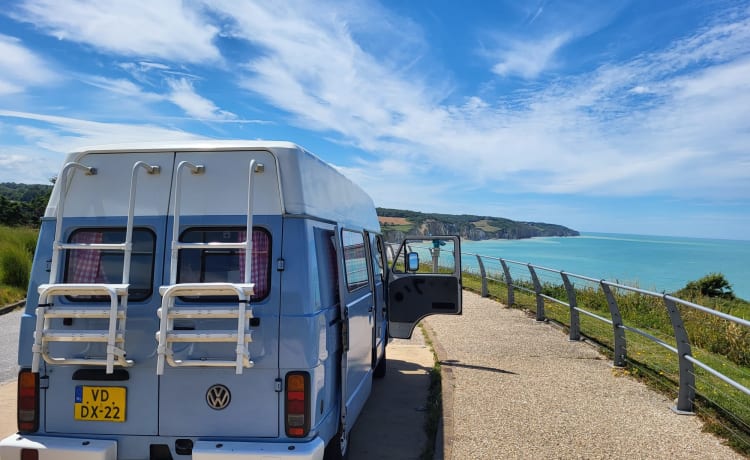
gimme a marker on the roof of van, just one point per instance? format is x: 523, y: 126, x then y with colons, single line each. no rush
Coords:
x: 309, y: 186
x: 186, y: 146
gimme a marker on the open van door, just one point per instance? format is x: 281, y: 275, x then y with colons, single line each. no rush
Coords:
x: 424, y: 279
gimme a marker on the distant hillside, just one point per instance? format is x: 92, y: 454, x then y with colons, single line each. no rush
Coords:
x: 397, y: 223
x: 23, y: 204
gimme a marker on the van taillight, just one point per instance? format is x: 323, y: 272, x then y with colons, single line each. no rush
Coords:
x: 29, y: 454
x: 297, y: 404
x: 28, y: 401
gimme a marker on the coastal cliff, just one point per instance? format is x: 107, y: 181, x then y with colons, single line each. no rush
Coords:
x: 397, y: 223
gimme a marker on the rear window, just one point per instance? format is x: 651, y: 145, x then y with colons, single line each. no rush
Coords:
x: 225, y: 265
x: 87, y: 266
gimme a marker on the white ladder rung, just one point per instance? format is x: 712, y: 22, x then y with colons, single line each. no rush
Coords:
x: 90, y: 246
x: 207, y: 289
x: 210, y: 245
x: 87, y: 361
x: 219, y: 336
x: 82, y: 289
x: 208, y: 363
x: 205, y: 313
x: 57, y: 335
x: 65, y: 312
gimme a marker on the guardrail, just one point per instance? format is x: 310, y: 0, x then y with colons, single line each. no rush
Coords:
x: 683, y: 350
x: 685, y: 401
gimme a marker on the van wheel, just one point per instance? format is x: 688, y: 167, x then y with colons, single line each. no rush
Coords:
x: 382, y: 366
x: 337, y: 449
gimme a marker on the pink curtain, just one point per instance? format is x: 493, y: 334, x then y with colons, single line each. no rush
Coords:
x: 258, y: 263
x: 86, y: 264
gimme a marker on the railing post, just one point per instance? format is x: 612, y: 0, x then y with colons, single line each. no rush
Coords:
x: 509, y: 282
x: 619, y: 332
x: 538, y: 291
x: 485, y: 291
x: 575, y: 322
x: 686, y: 394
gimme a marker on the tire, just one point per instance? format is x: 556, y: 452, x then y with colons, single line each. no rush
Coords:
x: 381, y: 367
x: 336, y: 450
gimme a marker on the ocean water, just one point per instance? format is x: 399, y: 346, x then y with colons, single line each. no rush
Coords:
x: 657, y: 263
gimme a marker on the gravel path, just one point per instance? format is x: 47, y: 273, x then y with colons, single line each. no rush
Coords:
x: 516, y: 388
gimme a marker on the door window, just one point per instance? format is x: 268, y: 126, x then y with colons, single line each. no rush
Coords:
x: 355, y: 261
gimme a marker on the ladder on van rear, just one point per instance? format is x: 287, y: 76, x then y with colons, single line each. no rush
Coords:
x: 113, y: 335
x: 241, y: 336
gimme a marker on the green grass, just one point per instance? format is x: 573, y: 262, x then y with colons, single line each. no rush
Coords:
x: 400, y: 227
x: 17, y: 245
x: 718, y: 343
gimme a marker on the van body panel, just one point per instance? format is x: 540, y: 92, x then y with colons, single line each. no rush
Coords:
x: 183, y: 410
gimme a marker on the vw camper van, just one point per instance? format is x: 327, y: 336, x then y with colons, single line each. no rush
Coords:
x: 208, y: 301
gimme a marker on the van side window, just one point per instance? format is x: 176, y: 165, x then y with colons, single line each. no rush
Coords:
x: 328, y: 276
x: 88, y: 266
x: 355, y: 262
x: 377, y: 267
x: 226, y: 265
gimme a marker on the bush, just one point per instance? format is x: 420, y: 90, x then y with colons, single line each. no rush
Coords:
x: 17, y: 246
x: 15, y: 266
x: 711, y: 285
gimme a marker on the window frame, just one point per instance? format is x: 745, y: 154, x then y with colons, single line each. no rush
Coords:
x: 131, y: 297
x: 352, y: 287
x: 237, y: 228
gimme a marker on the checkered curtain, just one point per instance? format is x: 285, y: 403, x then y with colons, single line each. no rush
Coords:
x: 85, y: 264
x: 258, y: 263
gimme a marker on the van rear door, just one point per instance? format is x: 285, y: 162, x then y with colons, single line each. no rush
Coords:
x: 201, y: 399
x: 424, y: 279
x: 85, y: 399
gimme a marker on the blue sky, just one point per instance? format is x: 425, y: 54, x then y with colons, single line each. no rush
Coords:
x: 614, y: 116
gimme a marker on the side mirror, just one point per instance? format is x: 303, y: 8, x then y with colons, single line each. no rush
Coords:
x: 412, y: 262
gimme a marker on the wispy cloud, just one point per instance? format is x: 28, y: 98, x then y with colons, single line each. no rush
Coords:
x: 20, y: 67
x: 168, y: 29
x: 527, y: 59
x: 183, y: 95
x: 625, y: 128
x: 64, y: 134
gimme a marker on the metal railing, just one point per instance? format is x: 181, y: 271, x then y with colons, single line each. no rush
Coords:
x: 686, y: 359
x: 685, y: 401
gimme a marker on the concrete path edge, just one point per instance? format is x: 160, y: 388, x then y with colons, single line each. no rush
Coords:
x: 444, y: 438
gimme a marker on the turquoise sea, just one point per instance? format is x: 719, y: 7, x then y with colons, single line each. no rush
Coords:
x: 657, y: 263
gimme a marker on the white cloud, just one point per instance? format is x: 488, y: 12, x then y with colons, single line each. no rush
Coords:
x: 527, y: 59
x: 626, y: 128
x: 167, y: 29
x: 122, y: 87
x: 64, y: 134
x: 20, y: 68
x: 183, y: 95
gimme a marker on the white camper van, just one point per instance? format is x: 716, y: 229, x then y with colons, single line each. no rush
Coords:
x: 208, y: 301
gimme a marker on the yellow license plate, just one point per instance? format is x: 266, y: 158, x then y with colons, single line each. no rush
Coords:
x: 100, y: 404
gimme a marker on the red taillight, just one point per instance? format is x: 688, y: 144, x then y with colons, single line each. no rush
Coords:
x: 29, y: 454
x: 28, y: 402
x: 297, y: 405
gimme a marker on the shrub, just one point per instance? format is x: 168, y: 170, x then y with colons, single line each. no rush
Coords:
x: 711, y: 285
x: 15, y: 265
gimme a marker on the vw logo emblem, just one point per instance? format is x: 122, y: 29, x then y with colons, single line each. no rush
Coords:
x: 218, y: 397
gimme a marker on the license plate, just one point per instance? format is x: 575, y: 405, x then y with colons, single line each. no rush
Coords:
x: 100, y: 404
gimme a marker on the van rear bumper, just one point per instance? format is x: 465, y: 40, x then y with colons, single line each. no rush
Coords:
x: 54, y: 448
x: 218, y: 450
